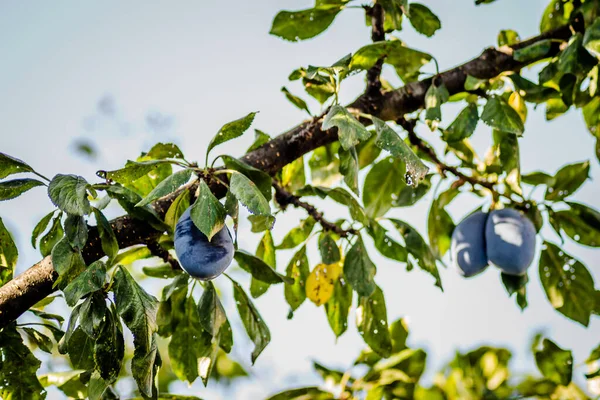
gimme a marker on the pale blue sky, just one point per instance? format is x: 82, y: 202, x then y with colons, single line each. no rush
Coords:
x: 205, y: 63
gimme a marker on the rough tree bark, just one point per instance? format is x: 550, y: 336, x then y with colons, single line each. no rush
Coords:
x: 21, y: 293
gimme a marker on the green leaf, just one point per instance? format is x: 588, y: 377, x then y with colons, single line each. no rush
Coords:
x: 261, y: 223
x: 382, y: 184
x: 211, y: 311
x: 187, y: 342
x: 567, y: 180
x: 54, y: 234
x: 555, y: 363
x: 67, y: 262
x: 38, y: 339
x: 231, y: 130
x: 388, y: 139
x: 297, y: 269
x: 324, y: 165
x: 18, y: 365
x: 532, y: 52
x: 16, y: 187
x: 538, y: 178
x: 416, y: 247
x: 167, y: 186
x: 249, y: 195
x: 8, y: 254
x: 350, y: 131
x: 439, y: 223
x: 110, y: 348
x: 349, y: 167
x: 436, y: 95
x: 472, y: 83
x: 262, y: 180
x: 92, y: 314
x: 132, y: 171
x: 464, y: 125
x: 81, y: 350
x: 153, y: 173
x: 108, y: 240
x: 295, y: 100
x: 508, y: 37
x: 293, y: 176
x: 341, y: 196
x: 69, y: 193
x: 127, y: 199
x: 67, y: 382
x: 305, y: 24
x: 313, y: 393
x: 423, y: 20
x: 138, y: 309
x: 76, y: 230
x: 359, y: 270
x: 499, y: 115
x: 581, y: 223
x: 591, y: 39
x: 177, y: 208
x: 410, y: 195
x: 367, y: 151
x: 338, y: 307
x: 406, y: 61
x: 253, y: 323
x: 509, y: 157
x: 10, y: 165
x: 387, y: 246
x: 568, y: 284
x: 90, y: 280
x: 40, y: 227
x: 297, y: 235
x: 207, y: 213
x: 575, y: 59
x: 266, y: 252
x: 161, y: 271
x: 259, y: 269
x: 555, y: 15
x: 260, y: 139
x: 330, y: 252
x: 371, y: 321
x: 165, y: 150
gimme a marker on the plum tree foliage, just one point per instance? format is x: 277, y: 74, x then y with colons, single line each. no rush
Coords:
x: 89, y: 261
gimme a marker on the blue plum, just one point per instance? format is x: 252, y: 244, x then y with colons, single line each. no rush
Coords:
x: 198, y: 257
x: 510, y: 241
x: 467, y: 248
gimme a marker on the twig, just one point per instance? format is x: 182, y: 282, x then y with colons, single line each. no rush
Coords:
x: 409, y: 126
x: 377, y: 35
x: 285, y: 198
x: 157, y: 250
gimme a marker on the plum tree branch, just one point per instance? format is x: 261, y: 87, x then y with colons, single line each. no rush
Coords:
x: 23, y: 291
x: 285, y: 198
x: 377, y: 16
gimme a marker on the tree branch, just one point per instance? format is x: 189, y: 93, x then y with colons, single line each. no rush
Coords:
x: 377, y: 35
x: 18, y: 295
x: 285, y: 198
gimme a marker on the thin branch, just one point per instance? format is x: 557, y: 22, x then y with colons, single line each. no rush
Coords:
x: 23, y: 291
x: 415, y: 140
x: 377, y: 16
x: 285, y: 198
x: 156, y: 250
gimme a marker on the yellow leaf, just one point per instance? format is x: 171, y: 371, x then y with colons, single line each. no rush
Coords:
x: 516, y: 101
x: 321, y: 282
